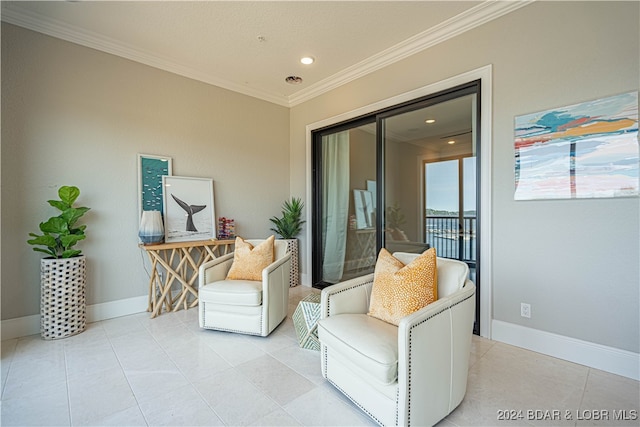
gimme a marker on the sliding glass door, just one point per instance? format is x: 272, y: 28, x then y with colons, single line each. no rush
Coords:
x: 405, y: 179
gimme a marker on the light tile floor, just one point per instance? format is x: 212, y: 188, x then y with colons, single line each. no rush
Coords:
x: 137, y: 371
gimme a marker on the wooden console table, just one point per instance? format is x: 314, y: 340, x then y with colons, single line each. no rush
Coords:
x: 361, y: 251
x: 180, y: 261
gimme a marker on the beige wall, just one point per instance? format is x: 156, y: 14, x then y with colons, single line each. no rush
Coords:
x: 75, y: 116
x: 575, y: 262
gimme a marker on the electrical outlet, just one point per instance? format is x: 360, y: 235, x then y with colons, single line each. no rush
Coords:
x: 525, y: 310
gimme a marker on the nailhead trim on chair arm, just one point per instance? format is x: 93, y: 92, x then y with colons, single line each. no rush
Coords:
x: 410, y: 347
x: 360, y: 406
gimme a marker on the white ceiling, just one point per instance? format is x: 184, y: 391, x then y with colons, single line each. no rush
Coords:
x: 251, y: 46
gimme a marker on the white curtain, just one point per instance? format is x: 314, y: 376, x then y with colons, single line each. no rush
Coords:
x: 335, y: 204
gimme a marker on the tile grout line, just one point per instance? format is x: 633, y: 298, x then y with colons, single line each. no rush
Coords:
x: 255, y: 386
x: 584, y: 392
x: 66, y: 385
x: 193, y: 385
x: 4, y: 380
x: 124, y: 374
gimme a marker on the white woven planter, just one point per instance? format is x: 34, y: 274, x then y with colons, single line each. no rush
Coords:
x: 63, y: 308
x: 294, y: 275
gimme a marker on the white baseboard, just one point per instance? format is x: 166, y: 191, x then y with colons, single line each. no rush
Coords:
x: 609, y: 359
x: 20, y: 327
x: 119, y: 308
x: 30, y: 325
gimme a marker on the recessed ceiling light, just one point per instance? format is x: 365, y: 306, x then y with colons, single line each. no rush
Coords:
x: 293, y: 80
x: 307, y: 60
x: 429, y: 121
x: 451, y: 142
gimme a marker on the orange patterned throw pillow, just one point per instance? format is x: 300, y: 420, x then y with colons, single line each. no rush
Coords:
x: 399, y: 290
x: 248, y: 262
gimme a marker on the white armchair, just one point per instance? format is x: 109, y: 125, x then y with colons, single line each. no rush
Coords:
x: 412, y: 374
x: 244, y: 306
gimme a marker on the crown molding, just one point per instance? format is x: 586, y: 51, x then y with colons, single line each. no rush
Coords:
x: 472, y: 18
x: 61, y: 30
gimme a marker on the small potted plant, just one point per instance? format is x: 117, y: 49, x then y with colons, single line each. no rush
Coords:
x: 394, y: 220
x: 288, y: 226
x: 63, y: 271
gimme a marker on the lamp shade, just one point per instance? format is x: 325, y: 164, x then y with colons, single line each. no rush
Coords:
x: 151, y: 227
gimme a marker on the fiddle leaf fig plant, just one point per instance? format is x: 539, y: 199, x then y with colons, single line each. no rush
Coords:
x: 60, y: 233
x: 290, y: 224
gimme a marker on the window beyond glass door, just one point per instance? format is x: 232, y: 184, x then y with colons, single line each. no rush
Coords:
x: 450, y: 217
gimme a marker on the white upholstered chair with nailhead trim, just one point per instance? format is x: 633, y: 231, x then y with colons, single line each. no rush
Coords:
x: 245, y: 306
x: 411, y: 374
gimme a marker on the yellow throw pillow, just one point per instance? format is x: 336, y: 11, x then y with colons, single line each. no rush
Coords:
x: 248, y: 262
x: 399, y: 290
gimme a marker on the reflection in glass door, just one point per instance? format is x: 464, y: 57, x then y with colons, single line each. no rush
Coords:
x: 345, y: 182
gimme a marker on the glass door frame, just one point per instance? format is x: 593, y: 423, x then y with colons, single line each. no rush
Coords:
x: 470, y: 87
x: 317, y: 192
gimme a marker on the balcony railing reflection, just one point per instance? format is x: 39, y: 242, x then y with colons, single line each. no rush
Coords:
x: 451, y: 237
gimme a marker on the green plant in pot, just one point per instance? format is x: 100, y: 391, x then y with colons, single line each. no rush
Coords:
x: 288, y: 226
x: 395, y: 217
x: 60, y: 233
x: 63, y: 272
x: 394, y: 221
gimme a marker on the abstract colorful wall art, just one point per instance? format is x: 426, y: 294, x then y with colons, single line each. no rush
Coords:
x: 586, y: 150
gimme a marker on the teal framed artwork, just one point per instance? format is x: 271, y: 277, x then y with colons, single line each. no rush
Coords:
x: 151, y: 169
